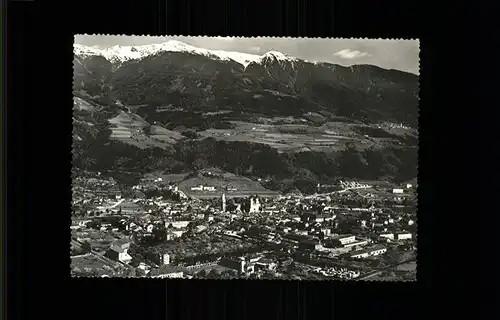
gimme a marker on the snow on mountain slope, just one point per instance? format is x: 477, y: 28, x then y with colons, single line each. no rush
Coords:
x: 276, y: 55
x: 119, y: 54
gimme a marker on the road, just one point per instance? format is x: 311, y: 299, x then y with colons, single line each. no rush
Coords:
x: 366, y: 275
x: 379, y: 271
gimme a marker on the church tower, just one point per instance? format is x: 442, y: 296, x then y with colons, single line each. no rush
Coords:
x: 254, y: 205
x: 223, y: 202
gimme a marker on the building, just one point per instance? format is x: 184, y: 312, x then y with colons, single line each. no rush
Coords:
x: 177, y: 233
x: 266, y: 264
x: 334, y: 251
x: 387, y: 235
x: 346, y: 239
x: 370, y: 252
x: 326, y: 231
x: 238, y: 264
x: 203, y: 188
x: 118, y: 251
x: 241, y: 264
x: 223, y: 202
x: 357, y: 243
x: 271, y: 209
x: 78, y: 224
x: 165, y: 272
x: 177, y: 224
x: 324, y: 217
x: 254, y: 205
x: 404, y: 236
x: 399, y: 191
x: 166, y: 259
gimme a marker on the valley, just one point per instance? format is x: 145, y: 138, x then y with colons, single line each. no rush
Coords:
x: 179, y: 110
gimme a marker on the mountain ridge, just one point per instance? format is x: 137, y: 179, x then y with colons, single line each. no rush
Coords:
x: 120, y: 54
x: 313, y: 120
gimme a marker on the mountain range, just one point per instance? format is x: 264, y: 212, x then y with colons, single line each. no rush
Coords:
x: 171, y: 103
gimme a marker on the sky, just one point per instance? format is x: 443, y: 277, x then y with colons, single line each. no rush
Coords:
x: 388, y: 54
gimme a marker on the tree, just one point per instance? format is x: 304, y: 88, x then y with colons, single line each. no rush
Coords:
x: 160, y: 233
x: 86, y: 247
x: 392, y: 257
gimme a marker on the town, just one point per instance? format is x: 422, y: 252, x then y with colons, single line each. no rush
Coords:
x: 348, y: 230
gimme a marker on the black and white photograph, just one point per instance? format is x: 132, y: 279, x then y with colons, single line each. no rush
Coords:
x: 245, y: 158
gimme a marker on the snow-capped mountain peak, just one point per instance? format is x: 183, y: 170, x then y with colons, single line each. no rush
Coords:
x: 278, y: 56
x: 120, y: 54
x: 125, y: 53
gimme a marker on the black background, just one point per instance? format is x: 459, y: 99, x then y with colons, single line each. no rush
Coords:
x: 38, y: 156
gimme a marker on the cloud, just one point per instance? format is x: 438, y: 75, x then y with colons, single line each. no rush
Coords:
x: 255, y: 49
x: 351, y: 54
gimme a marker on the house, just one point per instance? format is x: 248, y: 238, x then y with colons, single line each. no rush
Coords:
x: 324, y: 217
x: 387, y: 235
x: 266, y: 264
x: 178, y: 224
x: 346, y: 239
x: 144, y: 267
x: 203, y: 188
x: 397, y: 191
x: 238, y: 264
x: 357, y: 243
x: 377, y: 250
x: 78, y: 224
x: 271, y: 209
x: 118, y: 251
x: 177, y: 233
x: 359, y: 254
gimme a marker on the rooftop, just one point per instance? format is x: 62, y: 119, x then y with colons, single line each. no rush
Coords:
x: 368, y: 250
x: 122, y: 243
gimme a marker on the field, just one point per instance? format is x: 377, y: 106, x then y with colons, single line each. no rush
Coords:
x: 224, y: 182
x: 129, y: 128
x: 234, y: 194
x: 173, y: 177
x: 208, y: 269
x: 377, y: 193
x: 100, y: 240
x: 294, y: 137
x: 90, y: 263
x: 231, y: 185
x: 411, y: 266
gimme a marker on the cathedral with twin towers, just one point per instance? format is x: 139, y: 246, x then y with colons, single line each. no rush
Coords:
x: 253, y: 206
